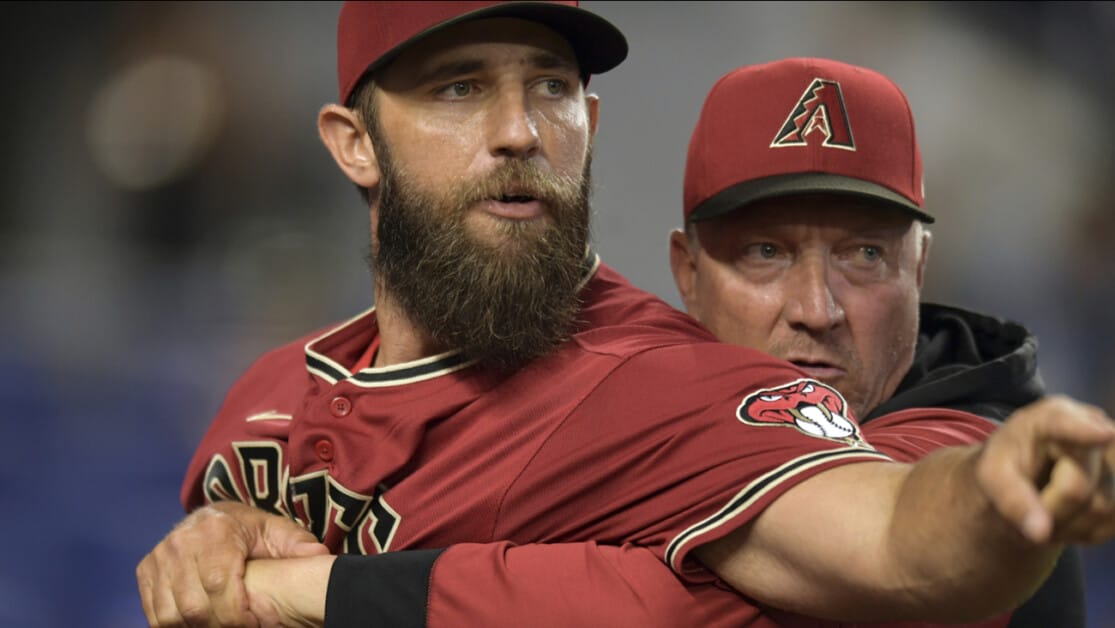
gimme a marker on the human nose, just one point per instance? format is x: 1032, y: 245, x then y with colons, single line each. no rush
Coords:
x: 513, y: 130
x: 811, y: 302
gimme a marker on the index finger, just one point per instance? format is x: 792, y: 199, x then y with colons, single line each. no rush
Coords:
x: 1068, y: 422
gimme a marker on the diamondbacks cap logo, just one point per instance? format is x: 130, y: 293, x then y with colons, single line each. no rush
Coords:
x: 819, y: 110
x: 806, y: 405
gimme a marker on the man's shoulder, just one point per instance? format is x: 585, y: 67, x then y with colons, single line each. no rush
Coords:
x: 663, y: 366
x: 645, y: 332
x: 618, y: 317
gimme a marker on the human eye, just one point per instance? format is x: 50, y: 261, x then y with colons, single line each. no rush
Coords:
x: 552, y: 87
x: 865, y: 259
x: 457, y: 90
x: 869, y: 253
x: 760, y: 251
x: 761, y: 261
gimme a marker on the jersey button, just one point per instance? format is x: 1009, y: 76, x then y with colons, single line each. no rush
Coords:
x: 324, y: 450
x: 340, y: 406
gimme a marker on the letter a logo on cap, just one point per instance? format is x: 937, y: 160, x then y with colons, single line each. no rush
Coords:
x: 819, y: 110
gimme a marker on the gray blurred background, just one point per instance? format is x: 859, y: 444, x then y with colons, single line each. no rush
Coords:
x: 168, y: 214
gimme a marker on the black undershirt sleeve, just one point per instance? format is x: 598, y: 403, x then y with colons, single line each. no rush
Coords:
x: 380, y: 590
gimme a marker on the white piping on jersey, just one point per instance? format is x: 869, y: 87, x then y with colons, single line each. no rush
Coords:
x: 755, y: 491
x: 394, y: 375
x: 590, y: 272
x: 384, y: 374
x: 270, y: 414
x: 326, y: 360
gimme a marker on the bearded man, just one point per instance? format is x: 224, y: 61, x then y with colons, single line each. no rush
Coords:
x: 508, y: 389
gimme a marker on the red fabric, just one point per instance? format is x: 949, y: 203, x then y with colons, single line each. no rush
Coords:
x: 557, y: 586
x: 499, y: 585
x: 803, y: 115
x: 367, y: 357
x: 628, y: 434
x: 370, y: 33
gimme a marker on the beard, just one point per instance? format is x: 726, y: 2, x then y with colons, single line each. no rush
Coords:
x: 505, y: 302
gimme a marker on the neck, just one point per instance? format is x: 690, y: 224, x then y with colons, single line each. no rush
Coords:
x: 400, y: 340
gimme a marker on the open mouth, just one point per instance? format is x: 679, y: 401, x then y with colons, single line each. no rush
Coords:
x: 810, y: 364
x: 515, y: 206
x: 515, y: 198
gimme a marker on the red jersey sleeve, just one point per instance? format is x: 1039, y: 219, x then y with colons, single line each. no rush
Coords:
x: 677, y: 448
x: 588, y: 584
x: 909, y: 435
x: 577, y: 584
x: 241, y: 457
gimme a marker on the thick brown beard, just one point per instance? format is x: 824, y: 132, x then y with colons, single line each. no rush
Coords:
x: 503, y: 304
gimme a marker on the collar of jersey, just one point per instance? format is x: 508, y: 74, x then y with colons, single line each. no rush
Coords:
x: 430, y: 367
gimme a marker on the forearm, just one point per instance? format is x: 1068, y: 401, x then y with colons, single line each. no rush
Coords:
x: 495, y: 585
x: 962, y: 534
x: 950, y: 544
x: 922, y: 546
x: 909, y: 436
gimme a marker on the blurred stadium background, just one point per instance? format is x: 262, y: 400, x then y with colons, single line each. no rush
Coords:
x: 168, y: 214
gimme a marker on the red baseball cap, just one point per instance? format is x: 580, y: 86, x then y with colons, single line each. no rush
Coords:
x: 371, y: 34
x: 801, y: 126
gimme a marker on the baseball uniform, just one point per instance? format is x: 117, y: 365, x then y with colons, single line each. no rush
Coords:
x: 963, y: 361
x: 641, y: 429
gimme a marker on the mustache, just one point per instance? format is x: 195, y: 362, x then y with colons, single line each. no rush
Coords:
x: 519, y: 179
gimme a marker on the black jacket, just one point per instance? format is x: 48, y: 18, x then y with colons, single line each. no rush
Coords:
x: 988, y: 366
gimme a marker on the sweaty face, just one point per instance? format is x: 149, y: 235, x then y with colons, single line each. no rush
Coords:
x: 829, y: 283
x: 483, y: 203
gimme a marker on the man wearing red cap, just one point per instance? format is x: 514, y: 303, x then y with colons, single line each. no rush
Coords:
x: 805, y: 239
x: 508, y: 388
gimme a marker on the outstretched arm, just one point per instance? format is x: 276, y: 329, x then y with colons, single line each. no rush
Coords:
x: 494, y: 585
x: 960, y: 535
x: 628, y: 583
x: 541, y: 581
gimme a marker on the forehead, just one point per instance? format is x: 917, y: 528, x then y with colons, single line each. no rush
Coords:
x: 490, y: 40
x: 838, y: 212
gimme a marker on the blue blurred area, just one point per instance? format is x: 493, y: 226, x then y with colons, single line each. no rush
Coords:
x: 168, y: 214
x: 89, y: 476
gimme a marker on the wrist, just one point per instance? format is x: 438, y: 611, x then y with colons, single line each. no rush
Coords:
x: 289, y: 589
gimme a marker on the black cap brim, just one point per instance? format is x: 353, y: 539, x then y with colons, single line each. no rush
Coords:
x: 741, y: 194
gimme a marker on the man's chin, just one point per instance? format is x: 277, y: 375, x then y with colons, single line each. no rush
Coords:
x: 504, y: 235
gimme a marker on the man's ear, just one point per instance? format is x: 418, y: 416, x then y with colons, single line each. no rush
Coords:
x: 342, y: 131
x: 684, y: 267
x: 923, y: 259
x: 592, y: 103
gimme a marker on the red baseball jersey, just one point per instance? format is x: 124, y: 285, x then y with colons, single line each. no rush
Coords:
x: 497, y: 585
x: 641, y: 429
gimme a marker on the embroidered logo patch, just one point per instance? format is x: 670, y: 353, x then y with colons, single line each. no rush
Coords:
x: 819, y: 110
x: 806, y: 405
